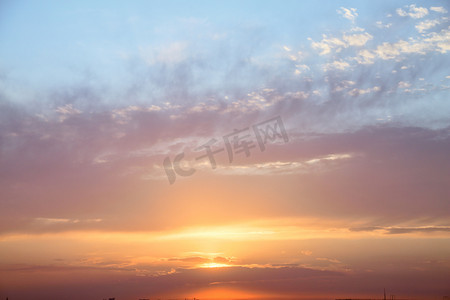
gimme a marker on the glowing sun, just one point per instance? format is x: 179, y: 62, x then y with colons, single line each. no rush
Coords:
x: 214, y: 265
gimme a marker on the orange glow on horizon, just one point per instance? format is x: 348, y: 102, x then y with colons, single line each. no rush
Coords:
x: 227, y: 293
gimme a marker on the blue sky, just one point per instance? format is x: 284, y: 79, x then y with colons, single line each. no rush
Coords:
x: 50, y: 43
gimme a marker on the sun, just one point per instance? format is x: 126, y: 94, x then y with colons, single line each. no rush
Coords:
x: 214, y: 265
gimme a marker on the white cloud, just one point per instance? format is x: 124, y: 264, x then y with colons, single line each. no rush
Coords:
x: 329, y: 157
x: 67, y: 109
x: 357, y: 39
x: 295, y: 56
x: 434, y: 41
x: 413, y: 11
x: 404, y: 84
x: 301, y: 68
x: 401, y: 12
x: 202, y: 107
x: 348, y: 13
x: 440, y: 41
x: 380, y: 24
x: 356, y: 92
x: 123, y: 115
x: 425, y: 25
x: 344, y: 84
x: 387, y: 51
x: 365, y: 57
x: 417, y: 12
x: 255, y: 101
x: 329, y: 43
x: 285, y: 168
x: 357, y: 29
x: 336, y: 65
x: 439, y: 9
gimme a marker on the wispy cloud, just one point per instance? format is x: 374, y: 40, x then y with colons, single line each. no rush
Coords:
x: 438, y: 9
x: 413, y: 11
x: 425, y: 25
x: 403, y: 230
x: 348, y: 13
x: 283, y: 168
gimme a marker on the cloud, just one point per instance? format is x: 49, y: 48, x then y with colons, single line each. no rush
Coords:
x: 400, y: 230
x: 336, y: 65
x: 344, y: 84
x: 25, y: 268
x: 425, y: 25
x: 401, y: 12
x: 194, y: 259
x: 306, y: 252
x: 201, y: 261
x: 80, y: 185
x: 431, y: 42
x: 331, y: 260
x: 413, y: 12
x: 348, y: 13
x: 357, y: 39
x: 282, y: 281
x: 365, y: 57
x: 380, y: 24
x: 67, y: 109
x: 301, y: 69
x: 283, y: 168
x: 367, y: 228
x: 404, y: 85
x: 357, y: 92
x: 403, y: 230
x: 55, y: 221
x: 328, y: 44
x: 438, y: 9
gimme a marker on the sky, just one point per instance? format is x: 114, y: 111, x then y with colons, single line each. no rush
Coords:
x: 224, y: 149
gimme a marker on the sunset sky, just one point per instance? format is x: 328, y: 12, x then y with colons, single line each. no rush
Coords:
x: 328, y: 130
